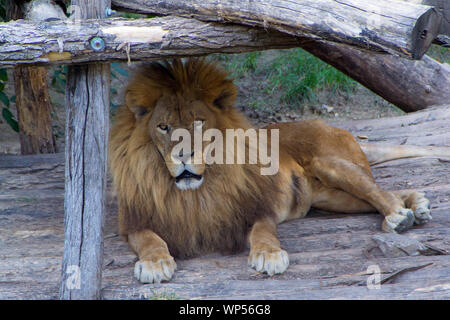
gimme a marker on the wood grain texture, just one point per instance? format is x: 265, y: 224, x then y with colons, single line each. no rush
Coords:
x: 182, y: 37
x: 87, y: 130
x: 329, y: 253
x: 87, y: 103
x: 401, y: 27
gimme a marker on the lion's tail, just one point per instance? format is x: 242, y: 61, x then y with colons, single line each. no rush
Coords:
x: 378, y: 153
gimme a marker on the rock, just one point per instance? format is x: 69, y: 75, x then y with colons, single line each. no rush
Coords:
x: 326, y: 108
x: 396, y: 245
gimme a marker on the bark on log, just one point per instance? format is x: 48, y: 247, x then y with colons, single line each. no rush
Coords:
x: 33, y: 110
x: 87, y: 129
x: 405, y: 28
x: 32, y: 100
x: 64, y: 42
x: 410, y: 85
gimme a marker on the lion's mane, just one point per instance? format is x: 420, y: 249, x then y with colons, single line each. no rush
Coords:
x: 215, y: 217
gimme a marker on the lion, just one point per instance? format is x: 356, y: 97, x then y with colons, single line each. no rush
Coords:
x: 172, y: 207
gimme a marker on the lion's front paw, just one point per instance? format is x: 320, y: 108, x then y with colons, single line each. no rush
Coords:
x: 271, y: 261
x: 155, y: 271
x: 400, y: 221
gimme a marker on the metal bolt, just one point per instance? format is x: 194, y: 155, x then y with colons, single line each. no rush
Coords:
x: 97, y: 44
x: 109, y: 12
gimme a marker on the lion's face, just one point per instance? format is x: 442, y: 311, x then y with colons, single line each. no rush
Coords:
x: 179, y: 115
x: 173, y: 101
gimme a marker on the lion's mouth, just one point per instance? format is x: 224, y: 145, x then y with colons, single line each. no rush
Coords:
x: 187, y: 175
x: 188, y: 180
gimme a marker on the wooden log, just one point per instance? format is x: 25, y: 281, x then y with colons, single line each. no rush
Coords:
x: 443, y: 8
x: 405, y: 28
x: 87, y: 128
x: 63, y: 42
x: 410, y: 85
x: 33, y: 110
x: 32, y: 100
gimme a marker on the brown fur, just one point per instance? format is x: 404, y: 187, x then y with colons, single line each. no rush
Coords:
x: 217, y: 216
x: 319, y: 166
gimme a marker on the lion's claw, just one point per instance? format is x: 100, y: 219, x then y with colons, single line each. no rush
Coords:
x: 148, y: 271
x: 269, y: 261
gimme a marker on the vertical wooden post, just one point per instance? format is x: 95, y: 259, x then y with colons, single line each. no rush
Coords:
x: 33, y: 110
x: 32, y: 99
x: 87, y: 129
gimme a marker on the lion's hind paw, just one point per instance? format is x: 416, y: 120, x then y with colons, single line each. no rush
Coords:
x: 399, y: 221
x: 421, y: 208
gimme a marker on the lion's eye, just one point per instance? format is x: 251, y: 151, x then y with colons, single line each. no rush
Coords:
x: 163, y: 127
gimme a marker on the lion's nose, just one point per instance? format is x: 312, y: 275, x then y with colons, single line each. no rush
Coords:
x: 184, y: 157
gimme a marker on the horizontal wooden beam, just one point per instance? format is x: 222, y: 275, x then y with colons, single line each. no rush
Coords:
x: 89, y: 41
x: 404, y: 28
x: 410, y: 85
x: 443, y: 8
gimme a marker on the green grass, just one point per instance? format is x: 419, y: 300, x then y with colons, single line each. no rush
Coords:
x: 163, y: 295
x: 239, y: 65
x: 299, y: 75
x: 294, y: 76
x: 439, y: 53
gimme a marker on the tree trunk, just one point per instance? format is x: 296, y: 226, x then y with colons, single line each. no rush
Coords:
x: 87, y: 129
x: 32, y: 100
x: 384, y: 25
x: 410, y: 85
x: 33, y: 110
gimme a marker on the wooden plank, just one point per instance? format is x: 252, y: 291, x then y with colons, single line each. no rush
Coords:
x: 87, y: 103
x: 429, y: 127
x: 405, y: 28
x: 329, y: 253
x: 87, y: 129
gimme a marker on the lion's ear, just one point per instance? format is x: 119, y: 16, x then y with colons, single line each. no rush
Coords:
x: 138, y: 104
x: 139, y: 111
x: 226, y: 96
